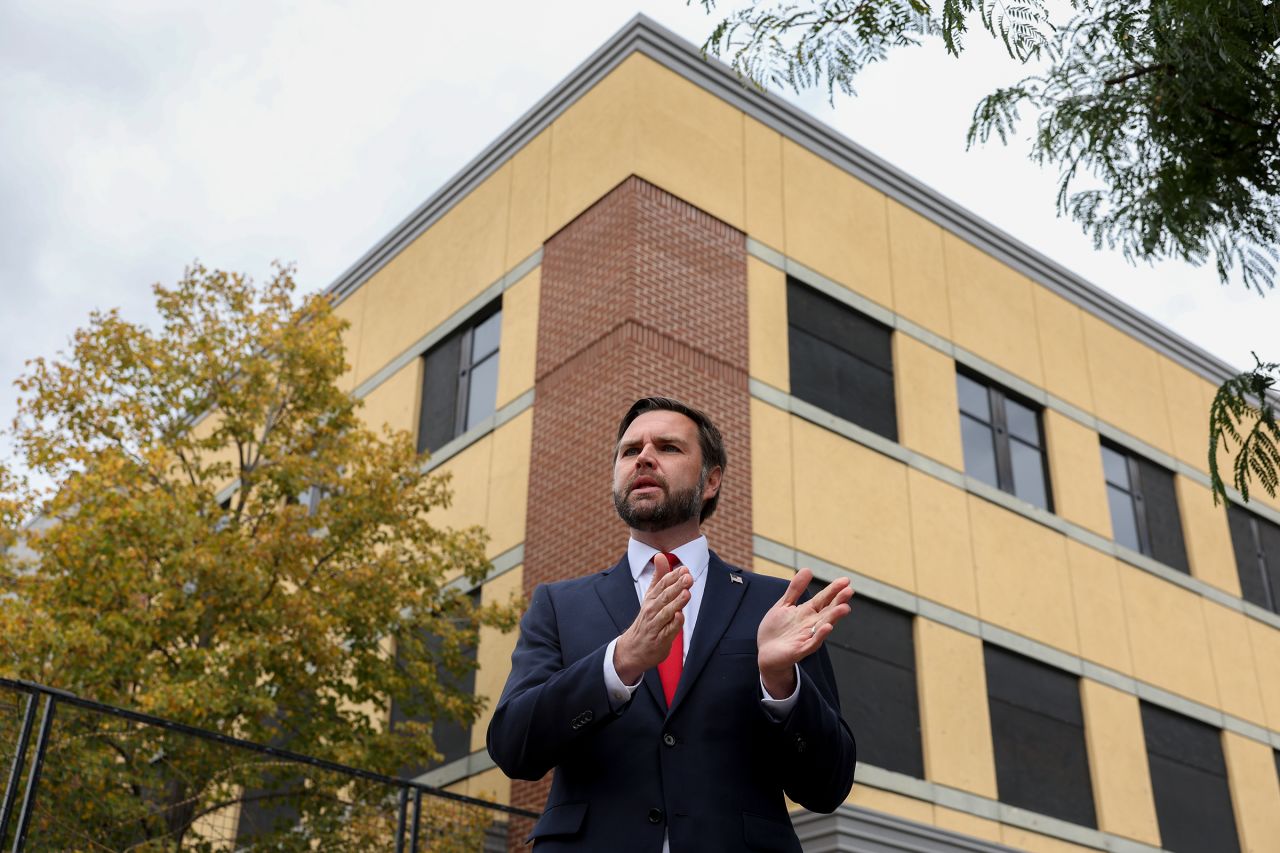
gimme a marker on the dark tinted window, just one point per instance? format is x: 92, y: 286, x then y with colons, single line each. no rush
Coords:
x: 1003, y: 441
x: 873, y: 654
x: 460, y: 380
x: 1163, y: 521
x: 1037, y: 730
x: 452, y: 739
x: 1257, y: 546
x: 1189, y: 782
x: 1144, y: 506
x: 272, y: 805
x: 841, y: 361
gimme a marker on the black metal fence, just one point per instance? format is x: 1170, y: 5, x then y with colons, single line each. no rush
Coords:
x: 84, y: 776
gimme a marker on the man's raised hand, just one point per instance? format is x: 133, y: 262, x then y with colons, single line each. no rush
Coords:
x: 647, y: 642
x: 792, y: 630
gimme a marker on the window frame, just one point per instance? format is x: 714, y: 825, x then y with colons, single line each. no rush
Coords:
x: 464, y: 336
x: 454, y: 735
x: 1137, y: 500
x: 1158, y: 723
x: 844, y: 650
x: 1139, y: 503
x: 467, y: 363
x: 997, y: 396
x: 1261, y: 558
x: 1010, y: 711
x: 866, y: 346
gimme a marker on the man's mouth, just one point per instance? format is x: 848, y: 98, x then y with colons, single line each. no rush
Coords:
x: 644, y: 484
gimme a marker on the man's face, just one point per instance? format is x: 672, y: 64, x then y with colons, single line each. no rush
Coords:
x: 657, y: 474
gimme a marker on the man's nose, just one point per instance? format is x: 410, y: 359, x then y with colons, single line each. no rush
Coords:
x: 645, y: 458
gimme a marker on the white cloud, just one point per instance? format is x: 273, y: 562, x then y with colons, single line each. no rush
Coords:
x: 139, y: 136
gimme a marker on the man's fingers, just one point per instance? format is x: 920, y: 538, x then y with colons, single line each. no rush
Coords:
x: 662, y: 582
x: 672, y: 608
x: 839, y: 603
x: 826, y: 623
x: 835, y: 613
x: 824, y: 628
x: 796, y: 588
x: 831, y: 592
x: 670, y: 586
x: 661, y: 567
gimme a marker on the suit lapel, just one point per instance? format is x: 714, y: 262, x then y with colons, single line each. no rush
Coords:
x: 720, y: 600
x: 617, y: 590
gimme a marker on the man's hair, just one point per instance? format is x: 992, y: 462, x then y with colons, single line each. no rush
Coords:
x: 709, y: 439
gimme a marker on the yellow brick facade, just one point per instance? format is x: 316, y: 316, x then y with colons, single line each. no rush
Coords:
x: 954, y: 722
x: 1118, y: 763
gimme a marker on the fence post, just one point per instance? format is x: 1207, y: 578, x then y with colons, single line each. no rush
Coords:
x: 24, y: 819
x: 19, y: 758
x: 417, y: 815
x: 404, y: 805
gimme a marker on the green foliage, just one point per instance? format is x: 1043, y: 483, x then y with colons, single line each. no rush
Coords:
x: 261, y: 615
x: 787, y: 45
x: 827, y: 42
x: 1172, y: 105
x: 1244, y: 399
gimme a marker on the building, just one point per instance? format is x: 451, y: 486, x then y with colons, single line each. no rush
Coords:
x: 1059, y: 643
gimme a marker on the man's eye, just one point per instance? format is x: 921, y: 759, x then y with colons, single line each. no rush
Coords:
x: 630, y: 451
x: 673, y: 448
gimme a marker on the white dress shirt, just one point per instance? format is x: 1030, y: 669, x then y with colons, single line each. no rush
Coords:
x: 695, y: 556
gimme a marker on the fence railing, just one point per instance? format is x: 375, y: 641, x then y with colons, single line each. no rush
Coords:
x: 83, y: 775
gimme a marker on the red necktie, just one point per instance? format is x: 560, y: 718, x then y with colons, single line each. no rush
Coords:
x: 669, y: 670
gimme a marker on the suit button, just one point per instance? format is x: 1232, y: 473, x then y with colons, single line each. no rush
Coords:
x: 669, y: 739
x: 587, y: 715
x: 655, y: 815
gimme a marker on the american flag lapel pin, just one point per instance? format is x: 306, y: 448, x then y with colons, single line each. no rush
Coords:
x: 736, y: 578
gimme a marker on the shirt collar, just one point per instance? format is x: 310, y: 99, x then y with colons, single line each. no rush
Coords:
x: 693, y: 554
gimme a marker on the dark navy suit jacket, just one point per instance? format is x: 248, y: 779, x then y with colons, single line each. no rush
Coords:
x: 711, y: 770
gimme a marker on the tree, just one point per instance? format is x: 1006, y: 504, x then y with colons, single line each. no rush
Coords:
x: 231, y: 548
x: 1172, y: 105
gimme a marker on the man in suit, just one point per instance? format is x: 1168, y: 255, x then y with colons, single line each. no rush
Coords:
x: 677, y: 698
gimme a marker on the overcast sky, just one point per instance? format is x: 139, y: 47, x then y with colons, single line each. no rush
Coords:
x: 138, y: 136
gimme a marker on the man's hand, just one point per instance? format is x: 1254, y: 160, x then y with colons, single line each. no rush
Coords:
x: 790, y: 632
x: 648, y: 641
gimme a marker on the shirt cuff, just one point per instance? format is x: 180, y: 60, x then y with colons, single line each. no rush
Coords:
x: 619, y: 693
x: 777, y: 709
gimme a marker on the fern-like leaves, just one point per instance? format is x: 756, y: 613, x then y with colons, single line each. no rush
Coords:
x: 1242, y: 401
x: 817, y: 43
x: 1172, y: 106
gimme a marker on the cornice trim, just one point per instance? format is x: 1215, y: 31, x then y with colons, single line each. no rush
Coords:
x: 645, y: 36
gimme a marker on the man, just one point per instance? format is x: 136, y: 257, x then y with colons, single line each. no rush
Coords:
x: 738, y: 705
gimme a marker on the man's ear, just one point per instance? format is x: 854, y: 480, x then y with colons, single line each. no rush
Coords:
x: 713, y: 483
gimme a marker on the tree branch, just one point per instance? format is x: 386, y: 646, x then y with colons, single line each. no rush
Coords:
x: 253, y: 798
x: 1140, y: 71
x: 1232, y: 117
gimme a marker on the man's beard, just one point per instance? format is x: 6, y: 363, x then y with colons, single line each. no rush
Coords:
x: 676, y: 508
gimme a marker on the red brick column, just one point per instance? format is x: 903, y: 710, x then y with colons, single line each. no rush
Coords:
x: 641, y: 294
